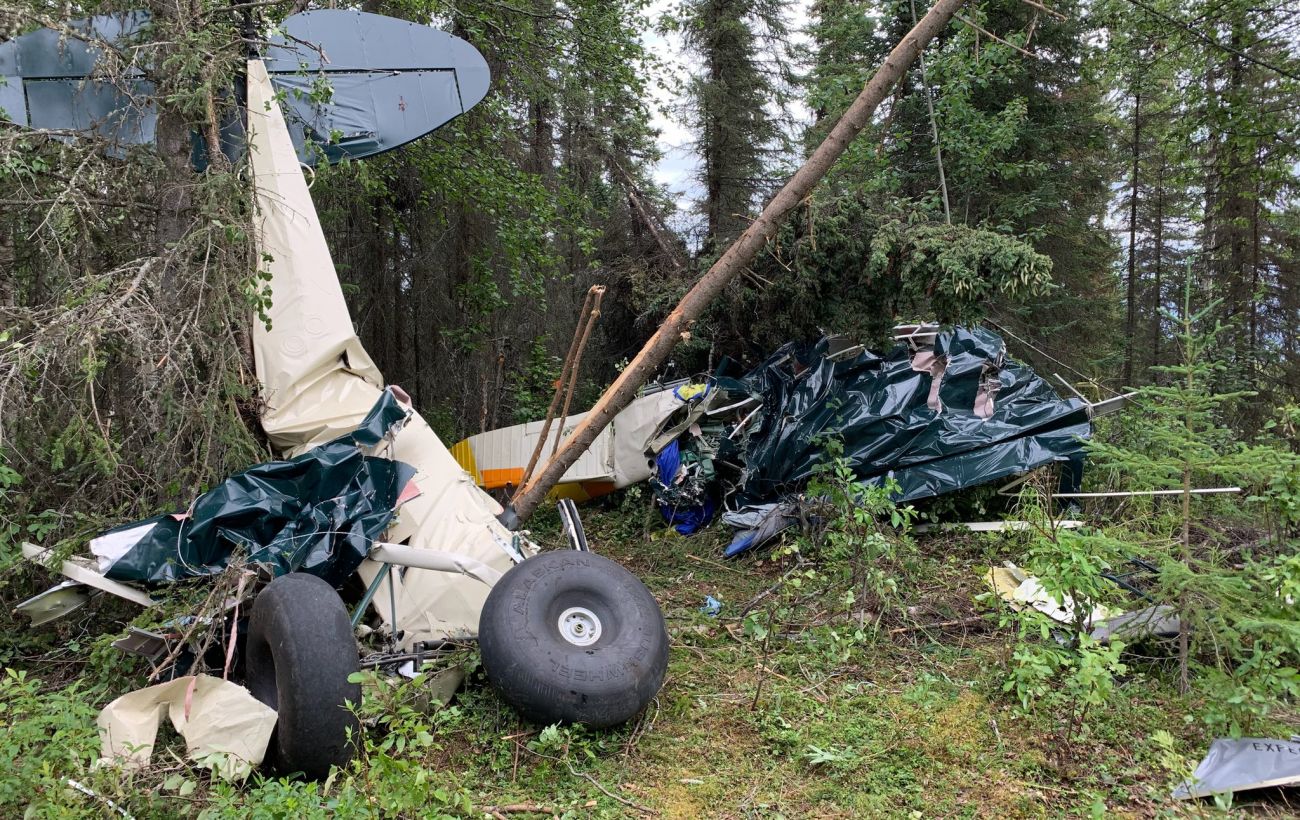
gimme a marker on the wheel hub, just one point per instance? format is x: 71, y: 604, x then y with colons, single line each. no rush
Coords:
x: 579, y: 626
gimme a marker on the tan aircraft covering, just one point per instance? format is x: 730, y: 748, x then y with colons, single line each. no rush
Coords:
x: 618, y: 457
x: 225, y: 728
x: 318, y: 383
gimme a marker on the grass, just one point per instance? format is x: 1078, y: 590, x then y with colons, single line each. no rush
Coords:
x: 824, y: 718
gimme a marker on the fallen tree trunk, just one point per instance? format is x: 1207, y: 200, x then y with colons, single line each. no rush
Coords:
x: 731, y: 263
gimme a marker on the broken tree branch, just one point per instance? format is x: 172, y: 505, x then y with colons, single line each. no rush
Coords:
x: 732, y: 262
x: 559, y: 388
x: 598, y: 293
x: 993, y: 36
x: 669, y: 250
x: 934, y: 129
x: 1042, y: 7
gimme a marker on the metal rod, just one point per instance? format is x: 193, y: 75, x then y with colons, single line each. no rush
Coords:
x: 1070, y: 387
x: 1126, y: 493
x: 392, y: 605
x: 365, y: 599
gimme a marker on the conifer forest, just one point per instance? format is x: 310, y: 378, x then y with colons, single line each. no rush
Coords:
x: 1018, y: 537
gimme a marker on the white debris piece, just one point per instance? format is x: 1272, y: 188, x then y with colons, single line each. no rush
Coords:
x: 225, y: 728
x: 1244, y: 764
x: 1023, y: 591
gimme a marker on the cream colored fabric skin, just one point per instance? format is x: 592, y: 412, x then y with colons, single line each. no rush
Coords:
x: 618, y: 454
x: 318, y: 383
x: 634, y: 428
x: 511, y: 448
x: 227, y: 729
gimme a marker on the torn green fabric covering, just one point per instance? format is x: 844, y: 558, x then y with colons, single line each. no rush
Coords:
x: 877, y: 408
x: 317, y: 513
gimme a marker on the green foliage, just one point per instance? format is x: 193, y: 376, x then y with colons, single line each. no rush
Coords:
x: 840, y: 265
x: 533, y: 384
x: 467, y: 247
x: 1055, y: 667
x: 45, y: 738
x: 864, y: 539
x: 10, y: 526
x: 1024, y: 150
x: 1239, y: 644
x: 957, y: 269
x: 1201, y: 90
x: 125, y: 300
x: 729, y: 102
x: 1182, y: 441
x: 1274, y: 470
x: 1240, y: 640
x: 1244, y: 641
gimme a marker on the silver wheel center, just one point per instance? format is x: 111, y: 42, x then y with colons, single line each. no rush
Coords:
x: 579, y: 626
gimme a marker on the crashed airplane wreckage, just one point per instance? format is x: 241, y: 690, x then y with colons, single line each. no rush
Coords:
x: 564, y: 635
x: 364, y: 486
x: 944, y: 410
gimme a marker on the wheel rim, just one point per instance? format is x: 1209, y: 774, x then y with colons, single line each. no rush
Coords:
x: 579, y: 626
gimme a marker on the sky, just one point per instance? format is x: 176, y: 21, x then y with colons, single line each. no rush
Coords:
x: 678, y: 167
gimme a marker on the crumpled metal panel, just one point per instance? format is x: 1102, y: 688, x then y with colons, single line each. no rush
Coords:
x: 317, y: 513
x: 355, y: 84
x: 877, y: 407
x: 391, y: 80
x: 1243, y: 764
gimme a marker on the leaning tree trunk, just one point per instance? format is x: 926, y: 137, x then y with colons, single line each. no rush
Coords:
x: 1130, y: 320
x: 731, y: 263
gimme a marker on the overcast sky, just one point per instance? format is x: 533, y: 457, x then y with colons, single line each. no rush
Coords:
x: 678, y: 168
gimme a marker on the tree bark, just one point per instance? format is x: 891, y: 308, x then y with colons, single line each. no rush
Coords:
x: 1130, y: 320
x: 736, y: 258
x: 172, y: 142
x: 1156, y: 298
x: 1254, y: 300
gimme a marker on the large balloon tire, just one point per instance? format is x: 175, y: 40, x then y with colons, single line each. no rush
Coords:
x: 299, y: 656
x: 572, y: 637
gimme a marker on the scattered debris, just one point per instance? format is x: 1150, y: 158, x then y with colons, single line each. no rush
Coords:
x: 319, y: 513
x: 1022, y: 591
x: 317, y: 516
x: 89, y: 792
x: 758, y: 524
x: 1131, y: 493
x: 993, y: 526
x: 497, y: 459
x: 1154, y: 621
x: 941, y: 411
x: 55, y: 602
x: 1242, y: 765
x: 84, y: 571
x: 225, y: 728
x: 151, y: 646
x: 944, y: 410
x: 712, y: 606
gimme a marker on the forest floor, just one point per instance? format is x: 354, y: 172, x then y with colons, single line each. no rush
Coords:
x: 814, y: 724
x: 810, y: 722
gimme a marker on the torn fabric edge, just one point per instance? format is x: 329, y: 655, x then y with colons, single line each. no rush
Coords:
x: 319, y: 513
x: 224, y: 727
